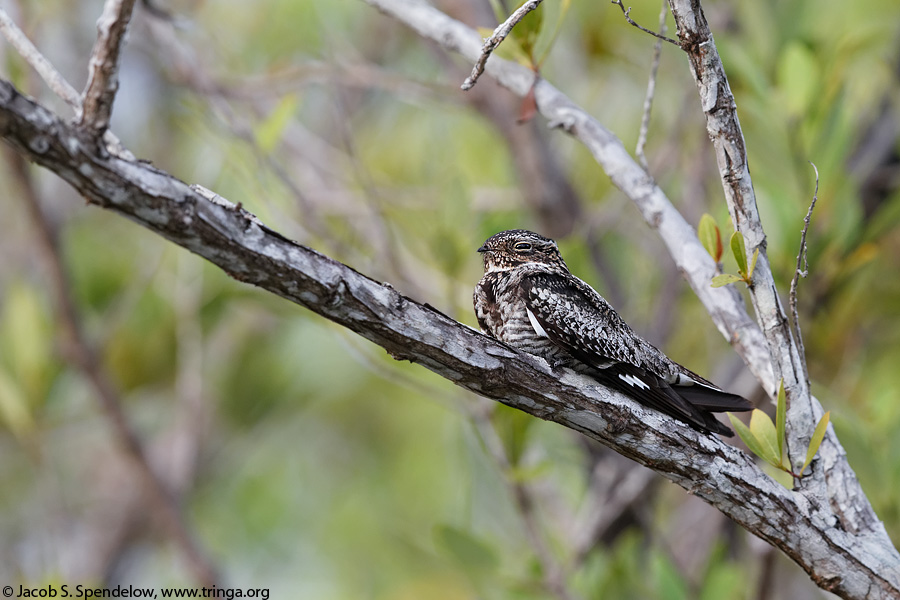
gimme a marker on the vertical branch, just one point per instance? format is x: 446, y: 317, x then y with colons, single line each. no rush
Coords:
x: 103, y: 76
x: 832, y: 477
x: 723, y: 126
x: 608, y: 498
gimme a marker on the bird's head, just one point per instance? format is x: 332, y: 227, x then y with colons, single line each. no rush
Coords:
x: 509, y: 249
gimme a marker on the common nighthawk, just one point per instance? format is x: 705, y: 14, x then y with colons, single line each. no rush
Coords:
x: 529, y: 299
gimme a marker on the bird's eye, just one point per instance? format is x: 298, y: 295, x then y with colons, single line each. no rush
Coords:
x: 522, y: 247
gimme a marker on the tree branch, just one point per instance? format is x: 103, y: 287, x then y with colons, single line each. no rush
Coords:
x: 802, y: 270
x: 56, y: 82
x: 491, y: 43
x: 659, y: 36
x: 850, y: 565
x: 103, y: 77
x: 651, y: 86
x: 832, y: 477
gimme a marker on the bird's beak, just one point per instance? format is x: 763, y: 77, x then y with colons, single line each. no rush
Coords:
x: 483, y: 249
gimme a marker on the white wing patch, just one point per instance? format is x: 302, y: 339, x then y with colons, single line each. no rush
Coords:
x: 684, y: 380
x: 634, y: 381
x: 534, y: 323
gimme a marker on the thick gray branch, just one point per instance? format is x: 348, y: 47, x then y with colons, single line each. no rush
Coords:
x: 225, y: 235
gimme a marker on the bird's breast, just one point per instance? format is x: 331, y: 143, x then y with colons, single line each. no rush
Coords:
x: 501, y: 311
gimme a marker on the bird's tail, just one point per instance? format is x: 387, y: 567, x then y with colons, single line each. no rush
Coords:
x: 709, y: 400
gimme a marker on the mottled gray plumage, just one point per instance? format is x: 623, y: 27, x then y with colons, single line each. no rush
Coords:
x: 529, y: 299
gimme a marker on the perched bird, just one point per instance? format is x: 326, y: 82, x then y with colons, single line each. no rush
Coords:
x: 528, y: 299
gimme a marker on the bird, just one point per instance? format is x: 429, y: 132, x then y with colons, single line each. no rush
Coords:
x: 528, y: 299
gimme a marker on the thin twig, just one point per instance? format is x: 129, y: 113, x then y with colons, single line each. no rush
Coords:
x: 554, y: 579
x: 802, y: 258
x: 103, y: 77
x: 79, y: 352
x: 56, y: 82
x: 641, y: 27
x: 491, y: 43
x: 651, y: 88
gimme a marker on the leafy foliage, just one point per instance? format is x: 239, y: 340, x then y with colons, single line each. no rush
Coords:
x: 766, y: 439
x: 712, y: 241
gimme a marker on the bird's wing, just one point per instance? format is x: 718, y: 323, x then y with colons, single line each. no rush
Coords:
x: 578, y: 318
x: 571, y: 314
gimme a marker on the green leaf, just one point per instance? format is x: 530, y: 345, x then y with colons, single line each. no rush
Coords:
x: 753, y: 263
x: 816, y: 440
x: 746, y: 435
x: 268, y: 133
x: 710, y: 236
x: 739, y: 250
x: 780, y: 417
x: 724, y: 279
x: 764, y: 430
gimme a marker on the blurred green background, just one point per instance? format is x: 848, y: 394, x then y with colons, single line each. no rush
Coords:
x: 305, y: 459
